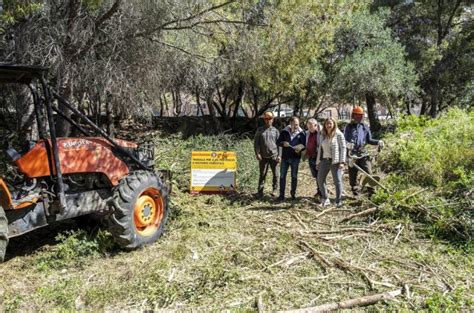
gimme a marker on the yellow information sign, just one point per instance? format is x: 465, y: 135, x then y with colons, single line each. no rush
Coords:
x: 213, y: 171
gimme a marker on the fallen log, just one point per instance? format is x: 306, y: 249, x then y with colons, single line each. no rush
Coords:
x: 352, y: 303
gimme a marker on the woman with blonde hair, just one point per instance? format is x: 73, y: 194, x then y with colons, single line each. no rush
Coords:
x: 331, y: 157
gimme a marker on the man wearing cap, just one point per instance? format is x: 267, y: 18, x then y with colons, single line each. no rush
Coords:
x: 357, y: 135
x: 267, y: 152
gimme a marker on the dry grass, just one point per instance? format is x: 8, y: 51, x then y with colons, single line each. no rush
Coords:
x: 223, y: 253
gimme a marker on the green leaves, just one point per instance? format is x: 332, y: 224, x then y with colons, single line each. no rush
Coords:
x: 370, y: 60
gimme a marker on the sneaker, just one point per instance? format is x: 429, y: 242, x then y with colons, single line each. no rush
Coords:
x: 339, y: 204
x: 325, y: 202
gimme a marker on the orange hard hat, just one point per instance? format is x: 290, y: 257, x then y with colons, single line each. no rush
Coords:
x: 268, y: 115
x: 357, y: 110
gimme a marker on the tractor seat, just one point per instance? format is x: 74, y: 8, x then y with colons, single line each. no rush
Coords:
x: 14, y: 155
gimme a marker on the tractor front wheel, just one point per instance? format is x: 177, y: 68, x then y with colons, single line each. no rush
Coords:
x: 140, y: 206
x: 3, y: 234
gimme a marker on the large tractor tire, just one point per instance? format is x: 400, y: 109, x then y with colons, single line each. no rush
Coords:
x: 3, y: 234
x: 141, y: 206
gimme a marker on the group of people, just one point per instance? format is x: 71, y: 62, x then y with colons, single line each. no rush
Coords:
x: 325, y: 147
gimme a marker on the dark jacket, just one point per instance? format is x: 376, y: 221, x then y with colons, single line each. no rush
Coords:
x: 299, y: 139
x: 359, y: 134
x: 265, y: 142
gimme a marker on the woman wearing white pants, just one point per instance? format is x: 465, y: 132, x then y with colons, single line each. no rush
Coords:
x: 331, y: 157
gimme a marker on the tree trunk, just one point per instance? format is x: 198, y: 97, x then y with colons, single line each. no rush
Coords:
x: 26, y: 123
x: 212, y: 111
x: 63, y: 128
x: 110, y: 117
x: 237, y: 103
x: 199, y: 105
x: 371, y: 112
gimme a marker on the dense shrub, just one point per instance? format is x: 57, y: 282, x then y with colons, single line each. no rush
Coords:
x: 432, y: 152
x: 431, y: 173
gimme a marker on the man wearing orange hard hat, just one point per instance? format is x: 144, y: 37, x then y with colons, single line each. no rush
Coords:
x: 358, y: 135
x: 267, y: 152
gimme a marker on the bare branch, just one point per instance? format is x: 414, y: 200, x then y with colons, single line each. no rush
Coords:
x: 201, y: 57
x: 107, y: 15
x: 189, y: 18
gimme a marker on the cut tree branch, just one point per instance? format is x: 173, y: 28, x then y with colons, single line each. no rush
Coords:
x: 352, y: 303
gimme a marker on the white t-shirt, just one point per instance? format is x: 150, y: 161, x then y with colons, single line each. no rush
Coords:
x: 326, y: 146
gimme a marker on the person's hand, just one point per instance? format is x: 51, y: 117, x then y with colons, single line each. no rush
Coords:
x: 278, y: 159
x: 381, y: 144
x: 286, y: 144
x: 350, y: 145
x: 341, y: 165
x: 259, y: 157
x: 299, y: 148
x: 317, y: 166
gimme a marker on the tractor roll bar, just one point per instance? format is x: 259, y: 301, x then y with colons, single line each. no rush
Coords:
x: 52, y: 129
x: 96, y: 128
x: 41, y: 129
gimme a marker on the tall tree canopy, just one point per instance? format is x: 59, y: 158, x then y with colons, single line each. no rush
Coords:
x: 123, y: 58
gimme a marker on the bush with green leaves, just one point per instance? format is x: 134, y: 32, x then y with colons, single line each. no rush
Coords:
x: 431, y: 173
x: 432, y: 152
x: 73, y: 248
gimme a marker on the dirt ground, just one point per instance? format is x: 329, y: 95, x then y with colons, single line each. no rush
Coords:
x: 226, y: 253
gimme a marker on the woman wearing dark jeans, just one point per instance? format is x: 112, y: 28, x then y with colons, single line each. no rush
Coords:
x: 313, y: 138
x: 331, y: 157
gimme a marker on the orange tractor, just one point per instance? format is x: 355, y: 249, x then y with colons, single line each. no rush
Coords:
x: 63, y: 178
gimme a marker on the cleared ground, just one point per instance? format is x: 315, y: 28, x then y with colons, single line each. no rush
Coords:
x: 224, y: 253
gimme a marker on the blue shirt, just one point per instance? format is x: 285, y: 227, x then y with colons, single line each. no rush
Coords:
x: 359, y: 134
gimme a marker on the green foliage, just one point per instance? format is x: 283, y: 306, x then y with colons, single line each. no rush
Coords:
x: 175, y: 153
x: 372, y: 61
x: 73, y: 248
x: 438, y: 39
x: 433, y: 152
x: 62, y: 293
x: 11, y: 302
x: 453, y: 301
x: 431, y: 166
x: 14, y: 11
